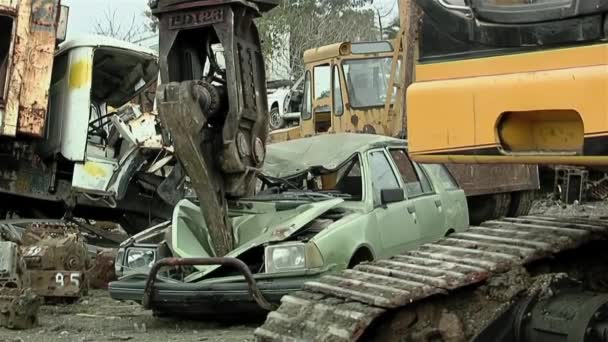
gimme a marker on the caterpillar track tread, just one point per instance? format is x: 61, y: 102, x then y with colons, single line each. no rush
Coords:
x: 340, y: 307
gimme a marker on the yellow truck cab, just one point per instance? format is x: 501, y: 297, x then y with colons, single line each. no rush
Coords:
x: 345, y: 90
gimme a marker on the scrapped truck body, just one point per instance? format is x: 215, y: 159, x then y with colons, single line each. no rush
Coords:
x: 357, y: 87
x: 18, y: 303
x: 56, y: 259
x: 66, y: 137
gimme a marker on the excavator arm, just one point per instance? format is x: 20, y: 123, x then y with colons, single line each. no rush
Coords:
x: 212, y: 100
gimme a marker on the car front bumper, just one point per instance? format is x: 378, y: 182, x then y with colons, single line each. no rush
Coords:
x: 207, y: 300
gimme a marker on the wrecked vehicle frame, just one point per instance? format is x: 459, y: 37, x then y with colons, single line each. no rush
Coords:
x: 305, y: 226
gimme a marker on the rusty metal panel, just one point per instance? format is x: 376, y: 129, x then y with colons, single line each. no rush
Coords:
x: 34, y: 97
x: 32, y: 62
x: 64, y: 284
x: 18, y: 308
x: 56, y: 258
x: 9, y: 3
x: 483, y: 179
x: 102, y: 272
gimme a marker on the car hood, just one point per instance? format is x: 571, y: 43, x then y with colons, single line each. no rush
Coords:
x: 261, y: 225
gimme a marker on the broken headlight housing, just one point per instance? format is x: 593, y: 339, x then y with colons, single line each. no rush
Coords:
x: 134, y: 260
x: 139, y: 259
x: 292, y: 256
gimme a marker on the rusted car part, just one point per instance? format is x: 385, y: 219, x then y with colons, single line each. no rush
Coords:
x: 598, y: 189
x: 341, y: 307
x: 18, y: 305
x: 218, y: 123
x: 56, y: 258
x: 18, y: 308
x: 570, y: 183
x: 237, y: 264
x: 102, y: 272
x: 11, y: 266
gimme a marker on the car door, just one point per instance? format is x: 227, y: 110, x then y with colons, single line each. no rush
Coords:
x: 452, y: 196
x: 398, y: 229
x: 425, y: 204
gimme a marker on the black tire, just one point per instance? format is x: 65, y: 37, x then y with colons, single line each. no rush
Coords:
x: 275, y: 120
x: 521, y: 203
x: 488, y: 207
x: 362, y: 255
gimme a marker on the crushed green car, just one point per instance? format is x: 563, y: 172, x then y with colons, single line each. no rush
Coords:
x: 323, y: 204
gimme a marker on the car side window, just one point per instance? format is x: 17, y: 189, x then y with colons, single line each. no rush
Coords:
x: 427, y: 188
x: 382, y: 174
x: 443, y: 174
x: 416, y: 182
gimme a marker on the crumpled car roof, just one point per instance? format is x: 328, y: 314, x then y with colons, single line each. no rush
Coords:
x: 325, y: 151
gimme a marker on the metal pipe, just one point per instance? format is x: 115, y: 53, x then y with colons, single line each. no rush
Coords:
x: 254, y: 290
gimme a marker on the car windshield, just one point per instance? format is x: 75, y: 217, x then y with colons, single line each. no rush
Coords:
x: 367, y: 81
x: 316, y: 185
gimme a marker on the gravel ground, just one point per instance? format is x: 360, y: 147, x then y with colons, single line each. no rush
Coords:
x: 554, y: 208
x: 99, y: 318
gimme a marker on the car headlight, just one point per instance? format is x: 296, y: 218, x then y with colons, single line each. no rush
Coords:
x: 139, y: 259
x: 292, y: 256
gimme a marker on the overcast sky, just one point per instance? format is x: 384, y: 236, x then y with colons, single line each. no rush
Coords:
x: 84, y: 13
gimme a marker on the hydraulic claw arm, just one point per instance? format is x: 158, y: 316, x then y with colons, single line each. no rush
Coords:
x: 213, y: 100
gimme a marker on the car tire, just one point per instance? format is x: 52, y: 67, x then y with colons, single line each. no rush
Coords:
x: 275, y: 121
x: 488, y: 207
x: 521, y: 203
x: 362, y: 255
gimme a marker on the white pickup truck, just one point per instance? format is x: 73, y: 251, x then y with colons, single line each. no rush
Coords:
x: 284, y: 101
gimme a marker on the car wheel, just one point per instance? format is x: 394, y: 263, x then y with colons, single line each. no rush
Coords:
x: 276, y: 120
x: 488, y: 207
x: 362, y: 255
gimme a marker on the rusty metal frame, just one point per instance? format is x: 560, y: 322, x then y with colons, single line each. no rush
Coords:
x: 254, y: 290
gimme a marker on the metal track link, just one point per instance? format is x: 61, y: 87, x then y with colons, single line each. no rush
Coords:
x: 339, y: 307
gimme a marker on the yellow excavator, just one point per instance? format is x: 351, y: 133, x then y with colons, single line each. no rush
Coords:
x: 488, y: 82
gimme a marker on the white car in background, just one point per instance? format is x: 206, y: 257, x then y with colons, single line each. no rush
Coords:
x: 284, y: 102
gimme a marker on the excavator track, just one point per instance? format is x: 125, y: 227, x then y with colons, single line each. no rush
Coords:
x: 340, y: 307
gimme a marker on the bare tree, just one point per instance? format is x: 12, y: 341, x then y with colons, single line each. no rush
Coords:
x: 151, y: 21
x: 292, y: 28
x: 111, y: 25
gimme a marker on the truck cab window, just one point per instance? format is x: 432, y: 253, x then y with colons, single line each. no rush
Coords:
x: 338, y: 103
x: 307, y: 103
x: 367, y: 81
x: 322, y: 88
x: 6, y: 33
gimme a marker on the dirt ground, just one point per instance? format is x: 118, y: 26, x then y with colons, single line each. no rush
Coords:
x: 553, y: 208
x: 99, y: 318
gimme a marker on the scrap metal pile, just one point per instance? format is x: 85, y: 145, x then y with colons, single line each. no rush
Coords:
x: 46, y: 262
